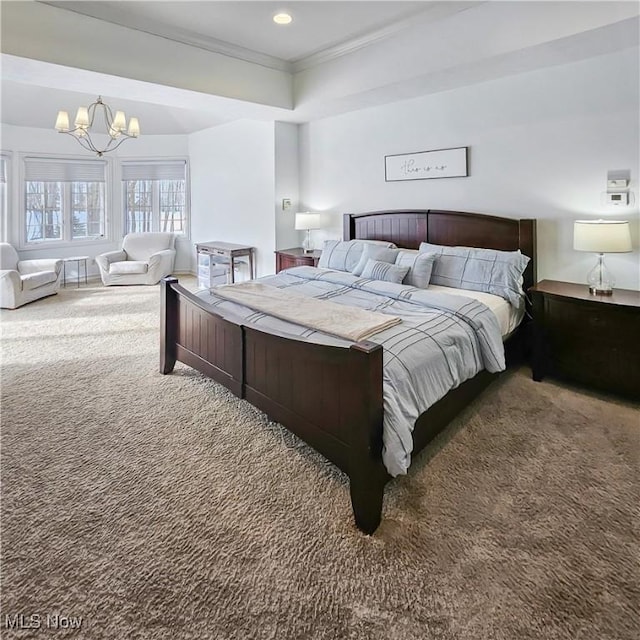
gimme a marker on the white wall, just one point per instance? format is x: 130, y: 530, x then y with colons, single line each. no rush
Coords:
x: 287, y: 181
x: 22, y: 141
x: 232, y: 187
x: 540, y: 146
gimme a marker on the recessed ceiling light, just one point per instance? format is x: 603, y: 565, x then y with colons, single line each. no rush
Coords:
x: 282, y: 18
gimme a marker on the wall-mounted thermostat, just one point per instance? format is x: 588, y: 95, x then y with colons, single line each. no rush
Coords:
x: 618, y: 198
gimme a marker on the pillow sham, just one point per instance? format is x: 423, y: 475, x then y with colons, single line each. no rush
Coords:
x: 345, y: 255
x: 420, y: 267
x: 374, y: 252
x: 490, y: 270
x: 385, y: 271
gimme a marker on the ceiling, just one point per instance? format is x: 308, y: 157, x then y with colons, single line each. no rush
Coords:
x: 248, y: 26
x: 186, y: 66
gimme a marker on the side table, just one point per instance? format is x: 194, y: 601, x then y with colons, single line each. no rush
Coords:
x: 79, y: 260
x: 296, y: 257
x: 589, y: 339
x: 229, y: 252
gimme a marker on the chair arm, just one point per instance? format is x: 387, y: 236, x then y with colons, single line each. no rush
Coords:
x: 41, y: 264
x: 105, y: 259
x: 10, y: 286
x: 161, y: 264
x: 161, y: 256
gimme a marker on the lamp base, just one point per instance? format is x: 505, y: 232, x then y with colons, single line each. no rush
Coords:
x: 600, y: 279
x: 306, y: 244
x: 594, y: 291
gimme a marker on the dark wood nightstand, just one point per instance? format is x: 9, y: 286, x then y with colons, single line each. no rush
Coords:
x: 590, y: 339
x: 287, y: 258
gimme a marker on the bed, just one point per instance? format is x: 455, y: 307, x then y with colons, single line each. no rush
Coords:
x: 331, y: 394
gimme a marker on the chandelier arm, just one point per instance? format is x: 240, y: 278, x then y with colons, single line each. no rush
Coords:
x: 108, y: 117
x: 92, y: 114
x: 84, y: 142
x: 110, y: 148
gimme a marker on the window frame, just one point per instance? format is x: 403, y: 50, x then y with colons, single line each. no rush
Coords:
x: 6, y: 197
x: 67, y: 223
x: 186, y: 234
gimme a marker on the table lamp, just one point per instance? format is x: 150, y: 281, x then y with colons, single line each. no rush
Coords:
x: 601, y: 236
x: 305, y: 221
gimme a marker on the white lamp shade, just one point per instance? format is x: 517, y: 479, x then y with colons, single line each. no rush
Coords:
x: 134, y: 127
x: 307, y: 220
x: 62, y: 121
x: 120, y: 121
x: 82, y: 117
x: 601, y: 236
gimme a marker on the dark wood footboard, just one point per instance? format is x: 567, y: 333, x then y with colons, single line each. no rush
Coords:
x: 191, y: 333
x: 330, y: 397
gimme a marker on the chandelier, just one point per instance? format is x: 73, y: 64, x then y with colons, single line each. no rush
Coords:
x: 115, y: 127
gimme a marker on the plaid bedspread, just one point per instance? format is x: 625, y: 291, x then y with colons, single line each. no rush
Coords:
x: 442, y: 341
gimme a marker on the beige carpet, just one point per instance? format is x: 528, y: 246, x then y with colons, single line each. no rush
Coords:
x: 163, y: 507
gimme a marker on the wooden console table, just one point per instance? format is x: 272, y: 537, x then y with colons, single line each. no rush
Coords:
x: 229, y: 252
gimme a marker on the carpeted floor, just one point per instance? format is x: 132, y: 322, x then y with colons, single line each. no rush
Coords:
x: 128, y: 501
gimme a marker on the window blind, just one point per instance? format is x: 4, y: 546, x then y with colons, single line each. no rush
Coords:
x: 171, y: 170
x: 44, y: 170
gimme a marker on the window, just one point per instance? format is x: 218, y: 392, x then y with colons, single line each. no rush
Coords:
x: 64, y: 200
x: 155, y: 196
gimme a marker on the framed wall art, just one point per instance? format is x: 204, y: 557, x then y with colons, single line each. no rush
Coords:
x: 426, y: 165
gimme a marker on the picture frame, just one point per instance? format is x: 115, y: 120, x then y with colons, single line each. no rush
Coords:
x: 426, y: 165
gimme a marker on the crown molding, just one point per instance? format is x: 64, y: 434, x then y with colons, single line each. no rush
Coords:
x: 436, y: 11
x: 123, y: 19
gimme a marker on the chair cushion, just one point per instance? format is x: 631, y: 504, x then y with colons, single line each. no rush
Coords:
x: 128, y: 266
x: 37, y: 279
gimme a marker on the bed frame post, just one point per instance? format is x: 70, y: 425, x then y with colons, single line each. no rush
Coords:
x: 168, y: 324
x: 367, y: 474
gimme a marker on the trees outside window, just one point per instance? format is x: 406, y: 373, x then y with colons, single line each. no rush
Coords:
x: 64, y: 200
x: 155, y: 196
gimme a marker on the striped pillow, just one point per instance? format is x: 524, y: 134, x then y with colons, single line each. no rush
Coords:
x: 375, y: 252
x: 376, y: 270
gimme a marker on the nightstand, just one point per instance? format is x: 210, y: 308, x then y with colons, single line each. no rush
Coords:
x: 589, y: 339
x: 287, y: 258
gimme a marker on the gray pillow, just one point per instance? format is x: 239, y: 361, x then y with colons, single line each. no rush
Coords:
x: 345, y: 255
x: 420, y: 266
x: 374, y: 252
x: 497, y: 272
x: 376, y: 270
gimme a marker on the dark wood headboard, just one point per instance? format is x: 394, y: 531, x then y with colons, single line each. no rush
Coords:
x: 408, y: 228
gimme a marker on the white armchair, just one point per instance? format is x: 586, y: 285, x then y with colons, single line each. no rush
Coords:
x: 145, y: 258
x: 23, y: 281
